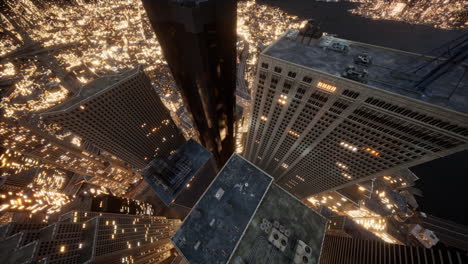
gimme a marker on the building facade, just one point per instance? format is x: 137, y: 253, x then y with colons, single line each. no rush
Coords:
x: 92, y: 198
x: 342, y: 250
x: 329, y: 112
x: 123, y: 115
x: 89, y: 237
x: 27, y: 146
x: 198, y: 39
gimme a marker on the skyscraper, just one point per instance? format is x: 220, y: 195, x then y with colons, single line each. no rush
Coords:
x: 20, y: 180
x: 329, y: 112
x: 243, y: 217
x: 28, y: 145
x: 123, y: 115
x: 198, y: 39
x: 342, y: 250
x: 92, y: 198
x: 89, y: 237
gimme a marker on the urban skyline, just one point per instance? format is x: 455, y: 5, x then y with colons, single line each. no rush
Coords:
x: 120, y: 112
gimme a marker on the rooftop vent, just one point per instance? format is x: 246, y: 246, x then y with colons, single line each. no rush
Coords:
x: 339, y: 47
x: 363, y: 59
x: 355, y: 74
x: 303, y: 253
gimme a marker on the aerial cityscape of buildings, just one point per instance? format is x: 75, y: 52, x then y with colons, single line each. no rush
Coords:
x: 194, y: 131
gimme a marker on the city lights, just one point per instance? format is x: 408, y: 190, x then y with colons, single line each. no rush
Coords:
x: 371, y: 151
x: 341, y: 165
x: 293, y: 133
x: 327, y: 87
x: 68, y: 190
x: 348, y: 146
x: 441, y: 14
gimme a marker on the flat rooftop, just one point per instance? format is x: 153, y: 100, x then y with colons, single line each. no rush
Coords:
x: 302, y: 222
x: 226, y: 223
x: 199, y: 157
x: 214, y: 226
x: 391, y: 70
x: 99, y: 85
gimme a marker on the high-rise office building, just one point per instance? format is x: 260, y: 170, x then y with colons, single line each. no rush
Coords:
x: 329, y: 112
x: 384, y: 206
x: 19, y: 180
x: 198, y: 39
x: 89, y: 237
x: 243, y: 217
x: 344, y: 226
x: 342, y: 250
x: 92, y: 198
x: 32, y: 201
x: 123, y: 115
x: 26, y: 146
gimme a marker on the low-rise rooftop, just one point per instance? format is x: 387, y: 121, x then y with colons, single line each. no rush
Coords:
x: 194, y: 158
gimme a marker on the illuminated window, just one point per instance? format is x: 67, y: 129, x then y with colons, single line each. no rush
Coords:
x: 341, y: 165
x: 313, y: 200
x: 293, y: 133
x: 284, y: 165
x: 371, y: 151
x: 300, y: 178
x: 348, y: 146
x: 282, y: 99
x: 62, y: 249
x: 326, y: 87
x: 346, y: 175
x: 263, y: 118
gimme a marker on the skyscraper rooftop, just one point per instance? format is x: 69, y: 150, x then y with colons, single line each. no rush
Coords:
x: 121, y: 114
x: 97, y: 86
x: 244, y: 217
x: 182, y: 177
x: 390, y: 70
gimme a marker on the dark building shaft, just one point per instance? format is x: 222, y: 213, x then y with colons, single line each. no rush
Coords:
x: 198, y: 39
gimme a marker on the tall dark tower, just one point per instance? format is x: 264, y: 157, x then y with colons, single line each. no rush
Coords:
x: 198, y: 38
